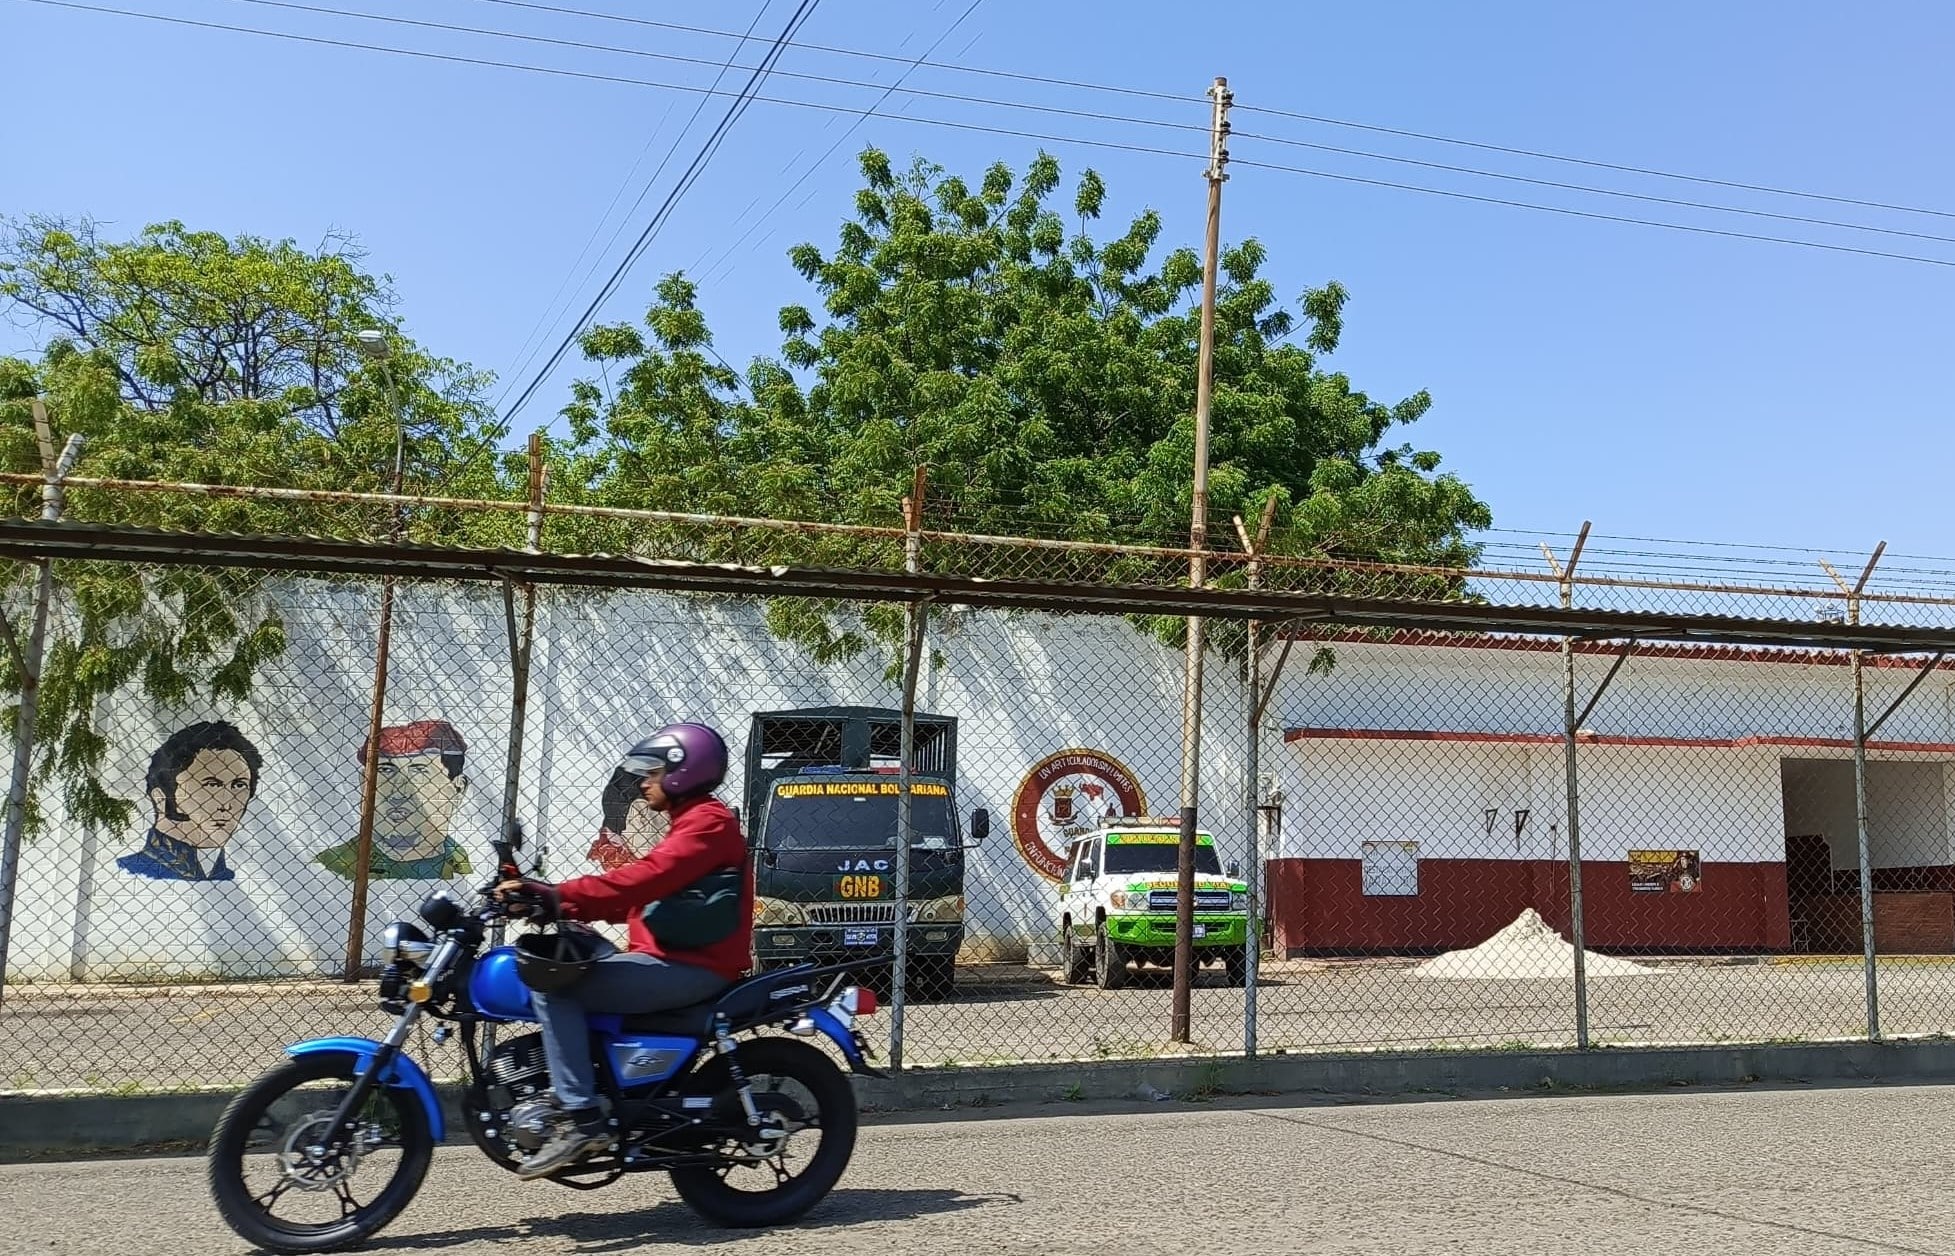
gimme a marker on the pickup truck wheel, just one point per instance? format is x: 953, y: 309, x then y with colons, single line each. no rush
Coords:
x: 1236, y: 964
x: 1109, y: 960
x: 1075, y: 961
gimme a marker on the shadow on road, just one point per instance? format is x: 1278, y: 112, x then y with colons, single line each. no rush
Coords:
x: 673, y: 1222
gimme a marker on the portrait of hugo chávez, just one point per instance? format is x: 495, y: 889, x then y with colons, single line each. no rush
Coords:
x: 418, y: 789
x: 200, y: 781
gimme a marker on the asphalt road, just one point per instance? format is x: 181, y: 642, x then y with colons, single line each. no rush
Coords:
x: 105, y: 1037
x: 1812, y: 1172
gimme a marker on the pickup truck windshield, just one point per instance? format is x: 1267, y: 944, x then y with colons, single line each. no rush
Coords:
x: 1123, y: 859
x: 854, y: 816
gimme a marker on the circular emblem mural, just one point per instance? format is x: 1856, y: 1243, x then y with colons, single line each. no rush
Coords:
x: 1064, y: 795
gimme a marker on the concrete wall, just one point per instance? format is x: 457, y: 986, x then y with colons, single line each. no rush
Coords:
x: 606, y: 669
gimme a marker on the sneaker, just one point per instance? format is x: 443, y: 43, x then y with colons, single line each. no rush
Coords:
x: 577, y: 1135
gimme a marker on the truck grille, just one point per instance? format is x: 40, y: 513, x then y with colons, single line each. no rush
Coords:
x: 1205, y: 900
x: 852, y: 914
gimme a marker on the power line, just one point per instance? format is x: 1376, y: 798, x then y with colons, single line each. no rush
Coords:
x: 1193, y: 99
x: 1599, y: 165
x: 855, y: 126
x: 592, y: 76
x: 863, y: 54
x: 1098, y: 116
x: 686, y: 181
x: 681, y: 59
x: 595, y: 77
x: 1585, y: 213
x: 1593, y: 191
x: 525, y: 354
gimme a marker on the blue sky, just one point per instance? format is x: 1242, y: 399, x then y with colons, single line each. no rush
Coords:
x: 1659, y: 383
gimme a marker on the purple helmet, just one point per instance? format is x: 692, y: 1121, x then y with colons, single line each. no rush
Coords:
x: 694, y: 758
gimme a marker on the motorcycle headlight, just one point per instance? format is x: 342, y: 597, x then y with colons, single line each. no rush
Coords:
x: 939, y: 911
x: 401, y: 940
x: 774, y: 912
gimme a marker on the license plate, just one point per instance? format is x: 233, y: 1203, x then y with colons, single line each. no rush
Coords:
x: 1201, y: 931
x: 861, y: 937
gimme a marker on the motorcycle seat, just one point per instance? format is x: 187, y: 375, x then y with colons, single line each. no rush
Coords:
x: 751, y: 1002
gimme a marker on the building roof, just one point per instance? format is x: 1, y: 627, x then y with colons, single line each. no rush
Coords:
x: 1609, y: 739
x: 1645, y: 649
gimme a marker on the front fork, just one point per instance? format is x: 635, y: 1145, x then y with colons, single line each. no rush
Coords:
x: 390, y: 1046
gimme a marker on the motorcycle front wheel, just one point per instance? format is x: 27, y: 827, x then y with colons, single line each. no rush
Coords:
x: 267, y: 1152
x: 758, y: 1184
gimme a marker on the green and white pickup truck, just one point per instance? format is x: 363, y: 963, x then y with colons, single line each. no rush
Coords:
x: 1118, y: 901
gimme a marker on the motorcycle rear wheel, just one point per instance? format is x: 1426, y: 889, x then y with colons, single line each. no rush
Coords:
x: 249, y: 1213
x: 707, y: 1190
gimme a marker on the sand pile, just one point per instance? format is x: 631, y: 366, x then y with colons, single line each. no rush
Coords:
x: 1527, y: 948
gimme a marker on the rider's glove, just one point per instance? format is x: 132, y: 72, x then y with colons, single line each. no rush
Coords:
x: 535, y: 900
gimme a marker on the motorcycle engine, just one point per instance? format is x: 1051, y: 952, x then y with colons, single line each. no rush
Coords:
x: 527, y: 1125
x: 510, y: 1112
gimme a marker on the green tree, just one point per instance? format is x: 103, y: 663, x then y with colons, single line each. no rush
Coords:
x: 1046, y: 377
x: 189, y: 356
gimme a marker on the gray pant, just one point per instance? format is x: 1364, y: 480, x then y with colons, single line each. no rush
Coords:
x: 626, y: 983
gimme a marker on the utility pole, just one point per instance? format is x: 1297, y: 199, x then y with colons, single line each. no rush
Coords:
x: 1191, y: 700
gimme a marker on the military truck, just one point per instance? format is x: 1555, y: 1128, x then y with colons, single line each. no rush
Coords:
x: 821, y: 813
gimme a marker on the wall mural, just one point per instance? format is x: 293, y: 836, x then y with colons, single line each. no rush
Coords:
x: 419, y: 787
x: 200, y: 782
x: 631, y: 828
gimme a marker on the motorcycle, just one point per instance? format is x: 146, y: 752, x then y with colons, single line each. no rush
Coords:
x: 698, y: 1093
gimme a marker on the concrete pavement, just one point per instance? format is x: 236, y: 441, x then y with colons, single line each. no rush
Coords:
x: 1807, y: 1171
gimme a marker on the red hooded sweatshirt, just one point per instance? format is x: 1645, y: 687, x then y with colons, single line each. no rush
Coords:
x: 704, y: 838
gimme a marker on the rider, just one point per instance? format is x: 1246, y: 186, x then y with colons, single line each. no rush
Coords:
x: 675, y: 770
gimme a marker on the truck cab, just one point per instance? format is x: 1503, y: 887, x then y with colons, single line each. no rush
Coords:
x: 822, y: 807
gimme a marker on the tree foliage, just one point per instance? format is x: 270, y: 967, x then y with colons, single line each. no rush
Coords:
x: 187, y: 356
x: 1044, y: 373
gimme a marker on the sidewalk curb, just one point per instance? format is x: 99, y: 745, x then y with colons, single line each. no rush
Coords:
x: 54, y: 1125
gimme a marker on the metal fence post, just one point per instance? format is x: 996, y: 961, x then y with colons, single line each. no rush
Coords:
x: 1868, y: 959
x: 914, y: 614
x: 1569, y: 722
x: 27, y: 664
x: 1252, y: 941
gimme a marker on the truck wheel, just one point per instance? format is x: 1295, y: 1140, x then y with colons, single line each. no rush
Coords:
x: 1236, y: 963
x: 1109, y: 960
x: 929, y: 978
x: 1075, y: 961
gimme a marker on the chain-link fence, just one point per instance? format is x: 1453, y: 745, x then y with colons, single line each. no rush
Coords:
x: 1401, y: 846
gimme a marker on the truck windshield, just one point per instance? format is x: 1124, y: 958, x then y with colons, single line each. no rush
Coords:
x: 854, y: 817
x: 1124, y: 858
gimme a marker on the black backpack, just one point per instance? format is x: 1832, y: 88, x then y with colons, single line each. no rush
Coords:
x: 705, y: 912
